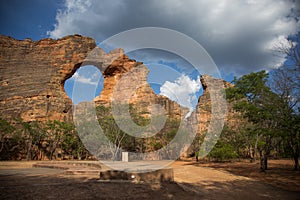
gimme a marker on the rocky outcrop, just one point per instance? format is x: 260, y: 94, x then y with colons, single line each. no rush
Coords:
x: 125, y: 82
x: 32, y: 76
x: 204, y: 106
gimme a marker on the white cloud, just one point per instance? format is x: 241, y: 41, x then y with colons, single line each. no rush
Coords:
x: 182, y: 90
x: 235, y: 33
x: 80, y: 78
x: 83, y: 85
x: 277, y: 45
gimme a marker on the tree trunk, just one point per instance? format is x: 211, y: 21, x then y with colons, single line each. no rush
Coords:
x: 266, y: 161
x: 296, y: 162
x: 52, y: 150
x: 262, y: 163
x: 255, y: 147
x: 266, y: 154
x: 2, y: 145
x: 29, y: 144
x: 251, y: 154
x: 51, y: 155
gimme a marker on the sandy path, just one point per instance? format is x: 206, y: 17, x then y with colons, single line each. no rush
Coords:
x: 210, y: 183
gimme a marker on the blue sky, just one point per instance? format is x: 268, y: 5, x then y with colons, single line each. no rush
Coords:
x: 28, y: 19
x: 238, y: 35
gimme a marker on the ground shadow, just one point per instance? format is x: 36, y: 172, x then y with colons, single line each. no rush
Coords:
x: 280, y: 173
x: 22, y: 186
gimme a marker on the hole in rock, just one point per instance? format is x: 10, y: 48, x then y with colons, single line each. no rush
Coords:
x: 85, y: 84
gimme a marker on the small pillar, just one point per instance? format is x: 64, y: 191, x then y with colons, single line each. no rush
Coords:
x: 125, y: 157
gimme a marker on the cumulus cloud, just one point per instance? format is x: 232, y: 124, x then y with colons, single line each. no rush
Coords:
x: 80, y: 78
x: 235, y: 33
x: 183, y: 90
x: 276, y: 45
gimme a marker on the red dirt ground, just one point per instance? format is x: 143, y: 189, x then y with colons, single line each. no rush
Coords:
x: 234, y: 180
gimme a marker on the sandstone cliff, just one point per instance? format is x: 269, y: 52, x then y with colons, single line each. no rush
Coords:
x: 125, y: 81
x: 32, y: 76
x: 204, y: 106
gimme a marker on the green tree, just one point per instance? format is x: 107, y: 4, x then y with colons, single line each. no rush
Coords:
x: 71, y: 143
x: 9, y: 140
x: 287, y: 86
x: 114, y: 134
x: 37, y: 136
x: 32, y: 137
x: 55, y: 131
x: 286, y: 83
x: 255, y: 100
x: 6, y: 130
x: 223, y: 151
x: 119, y: 139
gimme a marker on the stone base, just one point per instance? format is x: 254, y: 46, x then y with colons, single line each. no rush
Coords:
x: 161, y: 175
x: 82, y: 172
x: 72, y: 168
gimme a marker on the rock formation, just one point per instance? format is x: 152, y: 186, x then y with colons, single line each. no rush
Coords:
x: 204, y: 106
x: 125, y: 82
x: 32, y: 76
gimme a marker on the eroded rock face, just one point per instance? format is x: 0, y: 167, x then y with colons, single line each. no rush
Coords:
x: 32, y: 76
x: 125, y: 82
x: 204, y: 106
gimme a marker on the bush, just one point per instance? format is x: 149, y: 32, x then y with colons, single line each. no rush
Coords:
x: 222, y: 152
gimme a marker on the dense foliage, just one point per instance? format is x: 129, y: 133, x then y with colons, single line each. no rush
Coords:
x: 40, y: 140
x: 267, y: 120
x: 126, y: 142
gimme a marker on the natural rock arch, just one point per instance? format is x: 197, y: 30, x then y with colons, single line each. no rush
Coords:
x: 32, y: 77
